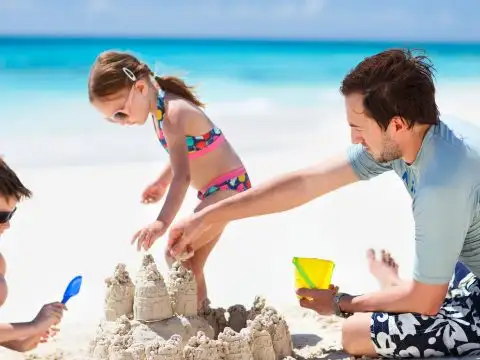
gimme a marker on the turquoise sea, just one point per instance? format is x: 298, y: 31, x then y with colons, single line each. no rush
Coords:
x: 45, y: 110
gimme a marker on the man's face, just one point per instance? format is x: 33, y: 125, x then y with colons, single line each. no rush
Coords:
x: 7, y: 205
x: 366, y: 131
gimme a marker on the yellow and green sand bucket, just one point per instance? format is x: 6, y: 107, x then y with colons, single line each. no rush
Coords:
x: 312, y: 273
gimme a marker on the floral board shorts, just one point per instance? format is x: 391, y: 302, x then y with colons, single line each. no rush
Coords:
x: 454, y: 331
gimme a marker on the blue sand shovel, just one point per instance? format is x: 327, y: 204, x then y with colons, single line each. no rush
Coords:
x: 72, y: 289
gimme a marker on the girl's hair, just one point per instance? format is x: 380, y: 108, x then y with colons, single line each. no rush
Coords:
x: 107, y: 77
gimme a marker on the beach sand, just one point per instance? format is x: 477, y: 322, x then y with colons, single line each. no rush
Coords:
x: 81, y: 220
x: 100, y: 210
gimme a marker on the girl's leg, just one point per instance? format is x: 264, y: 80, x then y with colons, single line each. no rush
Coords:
x: 197, y: 262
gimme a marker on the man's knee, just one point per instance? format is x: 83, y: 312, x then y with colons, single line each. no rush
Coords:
x: 356, y: 338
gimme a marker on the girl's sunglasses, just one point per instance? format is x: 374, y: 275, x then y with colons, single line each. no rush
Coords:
x: 120, y: 116
x: 5, y: 216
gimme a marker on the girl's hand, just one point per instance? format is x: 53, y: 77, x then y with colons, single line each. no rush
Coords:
x: 147, y: 236
x: 153, y: 193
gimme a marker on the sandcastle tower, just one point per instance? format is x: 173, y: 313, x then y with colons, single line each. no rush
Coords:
x: 260, y: 341
x: 200, y: 347
x: 277, y: 327
x: 182, y: 289
x: 235, y: 346
x: 165, y: 350
x: 151, y: 302
x: 119, y: 294
x: 146, y: 260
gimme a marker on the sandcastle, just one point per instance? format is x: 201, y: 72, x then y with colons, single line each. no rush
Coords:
x: 158, y: 319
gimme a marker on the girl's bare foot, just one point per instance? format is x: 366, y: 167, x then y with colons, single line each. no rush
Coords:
x: 385, y: 269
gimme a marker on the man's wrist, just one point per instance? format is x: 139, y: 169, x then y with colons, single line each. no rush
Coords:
x: 206, y: 216
x: 342, y: 305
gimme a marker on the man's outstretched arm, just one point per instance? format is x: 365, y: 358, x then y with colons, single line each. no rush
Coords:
x: 284, y: 192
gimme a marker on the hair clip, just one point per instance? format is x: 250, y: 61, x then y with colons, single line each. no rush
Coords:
x: 129, y: 73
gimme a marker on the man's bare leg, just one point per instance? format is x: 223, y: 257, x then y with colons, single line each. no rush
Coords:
x: 385, y: 269
x: 356, y: 336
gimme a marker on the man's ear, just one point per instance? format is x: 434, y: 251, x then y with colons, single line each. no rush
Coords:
x: 398, y: 124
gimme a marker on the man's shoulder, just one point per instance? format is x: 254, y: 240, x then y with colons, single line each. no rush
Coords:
x: 460, y: 136
x: 454, y: 155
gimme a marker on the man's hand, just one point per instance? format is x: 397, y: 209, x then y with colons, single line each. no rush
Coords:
x: 183, y: 236
x: 319, y: 300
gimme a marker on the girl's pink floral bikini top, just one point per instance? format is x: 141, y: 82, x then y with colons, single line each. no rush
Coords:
x: 196, y: 145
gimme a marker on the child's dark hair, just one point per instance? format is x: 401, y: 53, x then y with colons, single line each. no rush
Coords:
x: 10, y: 184
x: 107, y: 77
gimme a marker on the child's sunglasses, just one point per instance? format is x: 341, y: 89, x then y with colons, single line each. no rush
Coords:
x: 5, y: 216
x: 121, y: 116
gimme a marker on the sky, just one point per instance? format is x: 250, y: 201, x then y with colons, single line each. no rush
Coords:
x: 434, y: 20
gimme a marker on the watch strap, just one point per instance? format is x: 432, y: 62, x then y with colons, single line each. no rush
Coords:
x: 336, y: 306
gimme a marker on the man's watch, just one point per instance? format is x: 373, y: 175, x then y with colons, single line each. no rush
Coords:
x: 336, y: 305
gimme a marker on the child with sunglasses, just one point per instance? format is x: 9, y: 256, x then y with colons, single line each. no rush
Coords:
x: 20, y: 336
x: 126, y: 92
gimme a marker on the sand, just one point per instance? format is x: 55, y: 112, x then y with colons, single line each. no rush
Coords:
x: 159, y: 320
x: 231, y: 280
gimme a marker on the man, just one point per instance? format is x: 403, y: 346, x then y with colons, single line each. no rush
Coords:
x: 20, y: 336
x: 395, y: 125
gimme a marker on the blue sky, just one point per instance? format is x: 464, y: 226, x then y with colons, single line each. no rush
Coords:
x: 450, y: 20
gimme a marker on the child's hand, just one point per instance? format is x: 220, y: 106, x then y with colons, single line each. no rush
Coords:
x: 49, y: 334
x: 153, y: 193
x: 49, y: 315
x: 147, y: 236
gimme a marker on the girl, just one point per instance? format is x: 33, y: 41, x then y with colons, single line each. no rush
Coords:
x: 126, y: 92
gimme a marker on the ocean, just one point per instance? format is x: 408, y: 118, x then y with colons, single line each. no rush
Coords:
x: 264, y: 93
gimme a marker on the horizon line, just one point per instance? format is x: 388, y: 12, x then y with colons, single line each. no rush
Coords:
x: 350, y: 40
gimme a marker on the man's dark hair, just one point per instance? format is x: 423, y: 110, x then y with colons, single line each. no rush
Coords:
x: 395, y: 82
x: 10, y: 184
